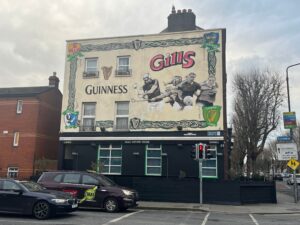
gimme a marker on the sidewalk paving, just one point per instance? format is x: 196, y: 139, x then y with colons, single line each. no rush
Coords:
x: 285, y: 205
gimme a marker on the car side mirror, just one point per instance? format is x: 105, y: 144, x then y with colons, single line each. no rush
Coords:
x: 19, y: 191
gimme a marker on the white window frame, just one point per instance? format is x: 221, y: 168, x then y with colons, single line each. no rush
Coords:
x: 119, y: 70
x: 12, y: 170
x: 211, y: 148
x: 146, y: 160
x: 16, y: 139
x: 121, y: 116
x: 110, y: 157
x: 91, y: 71
x: 88, y: 116
x: 19, y: 106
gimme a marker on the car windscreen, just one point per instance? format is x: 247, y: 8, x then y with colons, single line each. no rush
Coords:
x: 31, y: 186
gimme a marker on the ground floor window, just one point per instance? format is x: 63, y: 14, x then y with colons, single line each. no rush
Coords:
x: 210, y: 166
x: 153, y: 160
x: 12, y: 172
x: 110, y: 159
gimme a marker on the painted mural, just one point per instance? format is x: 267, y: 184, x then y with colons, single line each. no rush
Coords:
x: 183, y: 91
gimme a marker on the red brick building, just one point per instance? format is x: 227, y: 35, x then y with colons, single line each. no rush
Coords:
x: 29, y: 129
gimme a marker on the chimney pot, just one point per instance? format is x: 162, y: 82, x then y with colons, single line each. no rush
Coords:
x: 184, y: 11
x: 178, y: 11
x: 189, y: 10
x: 53, y: 80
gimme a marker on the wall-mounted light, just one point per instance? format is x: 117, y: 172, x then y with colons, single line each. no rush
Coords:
x: 179, y: 128
x: 164, y: 154
x: 179, y: 145
x: 136, y: 153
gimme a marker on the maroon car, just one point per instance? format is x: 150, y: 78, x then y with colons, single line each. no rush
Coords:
x: 91, y: 189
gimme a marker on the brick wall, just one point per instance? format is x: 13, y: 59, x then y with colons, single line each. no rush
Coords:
x: 38, y: 126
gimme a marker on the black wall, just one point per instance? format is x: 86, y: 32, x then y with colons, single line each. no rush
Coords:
x: 187, y: 190
x: 176, y: 159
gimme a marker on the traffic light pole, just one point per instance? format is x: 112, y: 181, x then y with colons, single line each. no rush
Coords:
x: 201, y: 184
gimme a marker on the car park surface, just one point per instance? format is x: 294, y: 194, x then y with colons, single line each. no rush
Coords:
x: 93, y: 190
x: 30, y: 198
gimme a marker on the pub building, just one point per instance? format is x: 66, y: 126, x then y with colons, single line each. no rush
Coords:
x: 135, y: 106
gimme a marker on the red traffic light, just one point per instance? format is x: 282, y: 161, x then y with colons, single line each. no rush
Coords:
x: 200, y: 150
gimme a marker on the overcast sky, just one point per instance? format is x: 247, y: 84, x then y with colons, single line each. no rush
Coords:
x: 262, y: 33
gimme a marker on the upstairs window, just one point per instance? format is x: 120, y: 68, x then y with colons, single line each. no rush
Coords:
x: 19, y: 106
x: 122, y: 115
x: 16, y: 139
x: 123, y: 67
x: 88, y: 116
x: 91, y: 68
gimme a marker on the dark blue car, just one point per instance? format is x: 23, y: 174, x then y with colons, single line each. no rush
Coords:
x: 25, y: 197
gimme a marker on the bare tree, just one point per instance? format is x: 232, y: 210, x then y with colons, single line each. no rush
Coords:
x: 258, y: 97
x: 237, y: 156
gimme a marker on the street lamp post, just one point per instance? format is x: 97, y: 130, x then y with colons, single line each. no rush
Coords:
x: 291, y: 129
x: 288, y: 91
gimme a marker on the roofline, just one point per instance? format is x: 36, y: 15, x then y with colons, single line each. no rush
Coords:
x: 144, y: 35
x: 220, y: 138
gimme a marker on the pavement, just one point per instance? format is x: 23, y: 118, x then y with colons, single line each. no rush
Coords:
x: 285, y: 205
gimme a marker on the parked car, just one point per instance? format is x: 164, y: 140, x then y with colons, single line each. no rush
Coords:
x: 91, y: 189
x: 290, y: 180
x: 25, y: 197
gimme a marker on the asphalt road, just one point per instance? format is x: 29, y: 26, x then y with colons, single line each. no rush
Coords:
x: 154, y: 217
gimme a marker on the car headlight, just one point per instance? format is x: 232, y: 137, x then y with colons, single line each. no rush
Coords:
x: 59, y: 200
x: 126, y: 192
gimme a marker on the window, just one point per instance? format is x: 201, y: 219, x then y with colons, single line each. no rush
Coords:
x: 122, y: 114
x: 153, y: 160
x: 19, y: 106
x: 209, y: 167
x: 12, y: 172
x: 16, y: 139
x: 110, y: 158
x: 123, y: 66
x: 9, y: 185
x: 72, y: 178
x: 88, y: 116
x: 89, y: 180
x: 91, y: 68
x: 57, y: 178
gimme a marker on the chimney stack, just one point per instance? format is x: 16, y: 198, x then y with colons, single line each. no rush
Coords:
x: 182, y: 20
x: 53, y: 80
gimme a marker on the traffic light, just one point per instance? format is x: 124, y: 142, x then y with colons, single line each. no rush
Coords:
x: 194, y: 152
x: 200, y: 150
x: 208, y: 153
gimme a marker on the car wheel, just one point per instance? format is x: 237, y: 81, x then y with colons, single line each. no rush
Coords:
x: 111, y: 205
x: 41, y: 210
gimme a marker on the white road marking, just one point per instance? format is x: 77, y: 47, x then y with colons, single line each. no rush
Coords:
x: 205, y: 219
x: 37, y: 222
x: 253, y: 219
x: 122, y: 217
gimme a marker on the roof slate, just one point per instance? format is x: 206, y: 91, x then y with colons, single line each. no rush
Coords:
x: 23, y: 91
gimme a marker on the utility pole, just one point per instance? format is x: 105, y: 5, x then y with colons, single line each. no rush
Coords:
x: 291, y: 129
